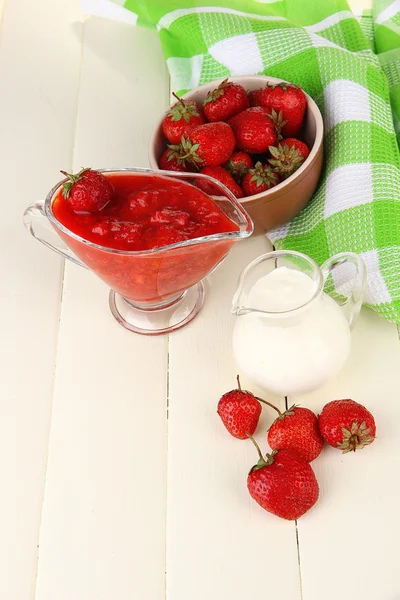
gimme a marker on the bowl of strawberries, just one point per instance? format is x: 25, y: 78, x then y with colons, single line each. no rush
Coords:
x: 259, y: 136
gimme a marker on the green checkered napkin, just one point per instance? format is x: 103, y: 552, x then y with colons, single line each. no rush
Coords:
x: 350, y: 65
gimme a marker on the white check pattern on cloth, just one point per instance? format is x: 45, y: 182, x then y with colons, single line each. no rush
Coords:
x: 343, y: 278
x: 186, y: 71
x: 348, y: 186
x: 345, y: 101
x: 239, y: 54
x: 378, y: 288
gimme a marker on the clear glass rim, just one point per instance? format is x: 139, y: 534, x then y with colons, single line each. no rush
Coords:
x: 245, y: 230
x: 281, y: 254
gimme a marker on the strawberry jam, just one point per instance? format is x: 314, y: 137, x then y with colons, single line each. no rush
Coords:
x: 148, y: 212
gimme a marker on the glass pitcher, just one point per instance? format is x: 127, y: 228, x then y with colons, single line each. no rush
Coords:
x: 290, y: 337
x: 152, y: 291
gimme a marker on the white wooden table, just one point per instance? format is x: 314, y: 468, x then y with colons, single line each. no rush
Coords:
x: 118, y: 480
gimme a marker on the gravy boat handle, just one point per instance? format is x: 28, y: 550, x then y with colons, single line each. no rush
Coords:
x: 38, y: 225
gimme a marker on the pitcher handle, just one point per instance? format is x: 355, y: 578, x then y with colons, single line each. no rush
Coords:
x: 352, y: 305
x: 35, y: 220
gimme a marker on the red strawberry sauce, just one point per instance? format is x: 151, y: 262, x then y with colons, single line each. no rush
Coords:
x: 146, y: 212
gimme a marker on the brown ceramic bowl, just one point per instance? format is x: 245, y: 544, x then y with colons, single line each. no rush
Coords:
x: 283, y: 202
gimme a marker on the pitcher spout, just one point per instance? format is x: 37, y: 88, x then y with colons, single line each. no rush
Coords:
x: 277, y: 283
x: 240, y: 299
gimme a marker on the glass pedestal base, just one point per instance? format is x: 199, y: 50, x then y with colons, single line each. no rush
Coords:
x: 159, y: 319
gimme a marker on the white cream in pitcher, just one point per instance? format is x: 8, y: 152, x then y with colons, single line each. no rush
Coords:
x: 289, y: 342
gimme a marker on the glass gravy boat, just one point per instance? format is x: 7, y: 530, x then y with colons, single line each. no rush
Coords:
x: 289, y: 336
x: 152, y: 291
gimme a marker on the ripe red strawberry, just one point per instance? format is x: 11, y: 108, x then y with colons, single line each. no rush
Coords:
x: 259, y: 179
x: 254, y: 130
x: 224, y: 177
x: 347, y: 425
x: 181, y: 119
x: 121, y: 231
x: 210, y: 144
x: 87, y: 191
x: 283, y: 484
x: 225, y: 101
x: 286, y: 103
x: 171, y: 160
x: 255, y: 97
x: 297, y: 429
x: 239, y: 411
x: 238, y: 165
x: 288, y: 156
x: 164, y: 234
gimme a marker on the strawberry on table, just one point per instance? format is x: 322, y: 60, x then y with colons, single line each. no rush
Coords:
x: 297, y: 429
x: 210, y: 144
x: 347, y: 425
x: 171, y: 160
x: 286, y: 104
x: 254, y: 130
x: 259, y: 179
x: 239, y: 411
x: 238, y: 165
x: 288, y: 156
x: 224, y: 177
x: 179, y: 121
x: 87, y: 191
x: 283, y: 484
x: 225, y: 101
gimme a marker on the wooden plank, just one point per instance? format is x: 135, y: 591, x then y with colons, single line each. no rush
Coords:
x: 37, y: 109
x: 103, y: 525
x: 2, y: 4
x: 349, y: 539
x: 220, y: 543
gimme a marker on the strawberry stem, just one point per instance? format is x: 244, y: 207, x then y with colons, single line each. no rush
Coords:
x: 269, y: 404
x: 179, y: 99
x: 262, y: 462
x: 259, y: 399
x: 256, y: 445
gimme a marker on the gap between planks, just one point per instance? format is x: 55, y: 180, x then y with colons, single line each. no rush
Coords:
x: 2, y: 8
x: 61, y: 285
x: 297, y: 534
x: 166, y: 473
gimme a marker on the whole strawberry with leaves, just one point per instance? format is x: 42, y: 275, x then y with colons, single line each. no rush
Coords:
x: 286, y: 104
x: 238, y: 165
x: 259, y: 179
x: 225, y: 101
x: 181, y: 119
x: 239, y: 411
x: 296, y: 428
x: 254, y: 130
x: 288, y: 156
x: 347, y: 425
x: 87, y: 191
x: 220, y: 174
x: 283, y: 483
x: 209, y: 144
x: 172, y: 160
